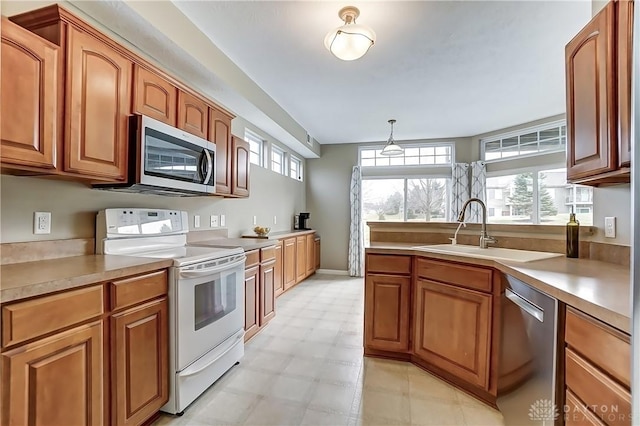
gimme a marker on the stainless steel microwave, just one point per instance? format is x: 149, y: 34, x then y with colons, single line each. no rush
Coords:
x: 165, y: 160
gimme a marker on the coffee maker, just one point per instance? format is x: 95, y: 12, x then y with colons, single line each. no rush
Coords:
x: 302, y: 220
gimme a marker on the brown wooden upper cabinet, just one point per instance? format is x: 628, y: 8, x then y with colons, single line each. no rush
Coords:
x: 220, y: 134
x: 193, y: 114
x: 240, y: 166
x: 29, y: 81
x: 92, y: 114
x: 598, y: 98
x: 154, y: 96
x: 97, y: 108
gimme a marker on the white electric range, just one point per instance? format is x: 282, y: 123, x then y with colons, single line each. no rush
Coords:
x: 206, y: 295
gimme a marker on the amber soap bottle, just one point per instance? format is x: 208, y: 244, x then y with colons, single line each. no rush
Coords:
x: 573, y: 232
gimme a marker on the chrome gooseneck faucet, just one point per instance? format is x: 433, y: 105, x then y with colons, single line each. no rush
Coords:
x: 484, y: 237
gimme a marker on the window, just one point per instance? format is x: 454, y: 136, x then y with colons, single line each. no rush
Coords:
x: 439, y: 154
x: 277, y: 160
x: 538, y: 197
x: 551, y: 137
x: 256, y: 145
x: 295, y: 168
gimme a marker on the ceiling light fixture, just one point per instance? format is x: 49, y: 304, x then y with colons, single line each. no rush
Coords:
x: 350, y: 41
x: 391, y: 149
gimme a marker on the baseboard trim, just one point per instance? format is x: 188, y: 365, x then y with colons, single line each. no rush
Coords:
x: 332, y: 272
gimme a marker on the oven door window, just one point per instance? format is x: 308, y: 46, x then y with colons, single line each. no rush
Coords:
x: 214, y: 300
x: 169, y: 157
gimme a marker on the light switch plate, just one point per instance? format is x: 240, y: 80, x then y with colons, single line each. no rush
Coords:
x: 196, y: 221
x: 255, y: 220
x: 223, y: 220
x: 275, y: 220
x: 214, y: 220
x: 610, y: 227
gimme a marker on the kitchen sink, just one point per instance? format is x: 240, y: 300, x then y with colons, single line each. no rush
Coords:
x: 493, y: 253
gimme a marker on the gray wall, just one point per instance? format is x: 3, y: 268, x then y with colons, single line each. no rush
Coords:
x: 73, y: 206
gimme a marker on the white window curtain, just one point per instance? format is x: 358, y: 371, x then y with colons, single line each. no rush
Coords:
x: 459, y: 187
x: 356, y: 240
x: 478, y: 190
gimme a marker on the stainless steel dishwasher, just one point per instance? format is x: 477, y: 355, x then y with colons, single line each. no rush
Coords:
x: 527, y: 368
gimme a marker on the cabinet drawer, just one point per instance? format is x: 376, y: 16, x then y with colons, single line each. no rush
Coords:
x: 588, y: 336
x: 134, y: 290
x: 462, y: 275
x: 576, y: 414
x: 267, y: 254
x: 32, y: 318
x: 597, y: 390
x: 253, y: 258
x: 388, y: 263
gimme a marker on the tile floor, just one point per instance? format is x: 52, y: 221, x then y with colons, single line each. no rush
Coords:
x: 306, y: 368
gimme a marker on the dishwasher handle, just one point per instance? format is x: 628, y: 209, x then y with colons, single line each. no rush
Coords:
x: 525, y: 305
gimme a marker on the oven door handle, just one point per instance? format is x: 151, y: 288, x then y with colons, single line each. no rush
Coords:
x: 210, y: 271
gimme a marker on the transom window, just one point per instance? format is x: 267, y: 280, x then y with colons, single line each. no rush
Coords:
x: 536, y: 140
x: 295, y: 168
x: 440, y: 154
x: 256, y: 145
x: 277, y: 160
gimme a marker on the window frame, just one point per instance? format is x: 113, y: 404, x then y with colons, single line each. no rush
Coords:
x: 295, y: 160
x: 444, y: 144
x: 521, y: 132
x: 250, y: 136
x: 281, y: 152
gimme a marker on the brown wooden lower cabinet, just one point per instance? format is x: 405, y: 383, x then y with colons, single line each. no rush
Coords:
x: 278, y: 275
x: 139, y: 362
x: 317, y: 252
x: 57, y: 380
x: 301, y: 258
x: 387, y: 305
x: 251, y: 304
x: 267, y: 292
x: 289, y: 262
x: 453, y: 330
x: 105, y: 367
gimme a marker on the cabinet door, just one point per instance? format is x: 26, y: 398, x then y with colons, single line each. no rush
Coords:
x: 139, y: 362
x: 251, y: 302
x: 220, y: 134
x: 267, y: 292
x: 56, y: 381
x: 311, y: 255
x: 591, y: 119
x: 154, y: 96
x: 301, y: 258
x: 278, y: 277
x: 453, y: 330
x: 289, y: 263
x: 29, y: 98
x: 240, y: 167
x: 317, y: 252
x: 193, y: 114
x: 387, y: 307
x: 625, y: 48
x: 98, y: 104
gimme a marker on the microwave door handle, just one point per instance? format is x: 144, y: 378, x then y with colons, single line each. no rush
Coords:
x: 202, y: 167
x: 209, y: 166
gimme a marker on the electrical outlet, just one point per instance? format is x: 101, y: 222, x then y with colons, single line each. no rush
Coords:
x: 214, y: 220
x: 223, y: 220
x: 255, y: 220
x: 42, y: 223
x: 196, y: 221
x: 610, y: 227
x: 275, y: 220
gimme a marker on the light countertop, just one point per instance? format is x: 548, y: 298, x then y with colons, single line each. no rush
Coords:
x: 27, y: 279
x: 597, y: 288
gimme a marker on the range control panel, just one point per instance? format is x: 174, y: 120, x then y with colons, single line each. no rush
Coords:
x: 133, y: 221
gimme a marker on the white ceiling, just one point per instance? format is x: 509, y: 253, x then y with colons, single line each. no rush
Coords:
x: 442, y: 69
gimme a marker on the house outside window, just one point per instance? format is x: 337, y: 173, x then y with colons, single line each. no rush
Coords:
x: 295, y: 168
x: 277, y: 160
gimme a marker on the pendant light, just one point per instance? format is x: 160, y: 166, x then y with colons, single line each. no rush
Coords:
x: 391, y: 149
x: 350, y: 41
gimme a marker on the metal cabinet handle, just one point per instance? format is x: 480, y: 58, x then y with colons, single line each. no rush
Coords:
x: 525, y: 305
